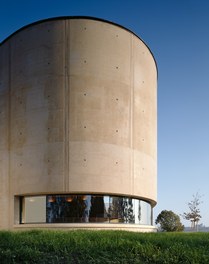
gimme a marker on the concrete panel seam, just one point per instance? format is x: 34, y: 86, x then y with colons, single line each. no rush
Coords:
x: 66, y: 107
x: 9, y: 139
x: 131, y: 113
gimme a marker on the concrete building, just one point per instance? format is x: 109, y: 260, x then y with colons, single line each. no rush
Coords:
x: 78, y: 119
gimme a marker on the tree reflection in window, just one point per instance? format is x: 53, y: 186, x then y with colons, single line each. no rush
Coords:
x: 128, y: 211
x: 121, y: 210
x: 95, y: 209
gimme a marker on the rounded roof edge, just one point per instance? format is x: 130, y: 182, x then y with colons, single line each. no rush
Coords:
x: 78, y: 17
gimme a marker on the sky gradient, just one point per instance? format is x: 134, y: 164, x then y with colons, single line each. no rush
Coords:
x: 177, y: 32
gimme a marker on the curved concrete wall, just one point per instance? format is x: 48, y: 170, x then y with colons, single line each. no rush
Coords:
x: 77, y: 112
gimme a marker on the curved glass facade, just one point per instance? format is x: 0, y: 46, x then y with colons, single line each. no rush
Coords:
x: 85, y: 209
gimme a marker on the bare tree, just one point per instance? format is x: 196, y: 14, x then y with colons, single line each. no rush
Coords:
x: 194, y: 212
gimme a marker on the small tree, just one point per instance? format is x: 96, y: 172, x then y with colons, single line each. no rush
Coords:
x: 169, y: 221
x: 194, y: 212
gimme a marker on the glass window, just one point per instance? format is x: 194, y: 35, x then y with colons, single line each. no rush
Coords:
x: 146, y: 215
x: 34, y: 209
x: 64, y: 208
x: 85, y: 209
x: 99, y: 208
x: 122, y: 210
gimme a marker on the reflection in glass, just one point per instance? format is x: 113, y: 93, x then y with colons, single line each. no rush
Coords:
x: 121, y: 210
x: 85, y: 209
x: 98, y: 212
x: 146, y: 215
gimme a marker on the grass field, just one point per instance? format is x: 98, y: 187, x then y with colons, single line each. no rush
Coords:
x: 103, y: 247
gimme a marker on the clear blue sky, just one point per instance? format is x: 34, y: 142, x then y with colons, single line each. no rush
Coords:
x: 177, y: 32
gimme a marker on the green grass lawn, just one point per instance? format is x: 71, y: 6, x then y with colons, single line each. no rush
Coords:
x: 102, y: 247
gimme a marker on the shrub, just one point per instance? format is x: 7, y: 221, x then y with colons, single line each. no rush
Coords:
x: 169, y: 221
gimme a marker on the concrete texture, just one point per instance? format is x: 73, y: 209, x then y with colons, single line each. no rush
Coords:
x: 78, y: 113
